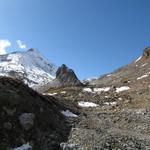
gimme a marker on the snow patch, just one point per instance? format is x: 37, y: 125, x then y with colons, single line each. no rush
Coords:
x: 68, y: 113
x: 105, y: 89
x: 63, y: 92
x: 138, y: 59
x: 96, y: 90
x: 88, y: 90
x: 87, y: 104
x: 144, y: 76
x: 109, y: 75
x: 106, y: 96
x: 24, y: 147
x: 123, y: 88
x: 51, y: 94
x: 144, y: 65
x: 110, y: 103
x: 120, y: 99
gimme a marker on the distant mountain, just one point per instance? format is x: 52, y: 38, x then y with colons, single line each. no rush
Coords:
x: 29, y: 66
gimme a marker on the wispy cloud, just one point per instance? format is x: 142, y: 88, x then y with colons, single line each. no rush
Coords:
x: 3, y: 45
x: 21, y: 45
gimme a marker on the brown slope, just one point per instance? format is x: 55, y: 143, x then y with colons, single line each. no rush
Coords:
x: 129, y: 74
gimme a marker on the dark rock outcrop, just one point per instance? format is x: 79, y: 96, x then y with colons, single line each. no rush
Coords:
x: 66, y: 76
x: 146, y: 53
x: 28, y: 117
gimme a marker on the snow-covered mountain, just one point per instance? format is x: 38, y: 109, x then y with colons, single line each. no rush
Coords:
x: 29, y: 66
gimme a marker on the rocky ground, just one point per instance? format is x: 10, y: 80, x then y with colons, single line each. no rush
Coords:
x: 113, y: 111
x: 119, y: 121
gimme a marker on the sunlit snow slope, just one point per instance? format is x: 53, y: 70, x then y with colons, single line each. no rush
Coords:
x: 29, y: 66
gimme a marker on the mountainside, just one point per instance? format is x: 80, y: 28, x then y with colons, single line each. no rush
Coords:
x: 29, y: 66
x: 133, y: 74
x: 113, y: 110
x: 107, y: 113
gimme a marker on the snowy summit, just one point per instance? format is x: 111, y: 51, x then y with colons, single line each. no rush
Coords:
x: 29, y: 66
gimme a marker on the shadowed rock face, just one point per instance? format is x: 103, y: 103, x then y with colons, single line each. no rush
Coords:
x: 26, y: 116
x: 146, y: 53
x: 66, y: 76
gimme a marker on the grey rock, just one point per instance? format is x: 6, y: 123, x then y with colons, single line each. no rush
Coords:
x: 27, y: 120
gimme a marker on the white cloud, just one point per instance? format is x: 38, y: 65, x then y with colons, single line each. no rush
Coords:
x: 3, y: 45
x: 21, y: 45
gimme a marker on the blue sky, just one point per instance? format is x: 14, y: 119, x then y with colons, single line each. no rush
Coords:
x: 91, y: 36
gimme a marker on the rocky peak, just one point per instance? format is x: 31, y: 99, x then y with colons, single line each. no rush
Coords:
x: 32, y: 50
x: 146, y: 53
x: 61, y: 70
x: 66, y: 76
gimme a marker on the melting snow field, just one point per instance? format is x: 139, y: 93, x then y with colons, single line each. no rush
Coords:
x: 24, y: 147
x: 68, y: 113
x: 87, y: 104
x: 123, y: 88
